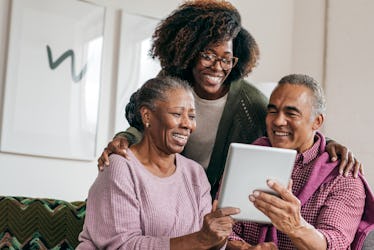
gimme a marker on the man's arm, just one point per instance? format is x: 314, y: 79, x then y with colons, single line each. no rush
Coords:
x: 337, y: 221
x: 307, y: 237
x: 342, y: 211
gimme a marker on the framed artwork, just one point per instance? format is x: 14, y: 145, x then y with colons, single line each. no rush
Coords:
x: 135, y: 64
x: 51, y: 96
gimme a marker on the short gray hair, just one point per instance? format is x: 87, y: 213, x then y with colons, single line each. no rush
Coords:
x: 319, y: 105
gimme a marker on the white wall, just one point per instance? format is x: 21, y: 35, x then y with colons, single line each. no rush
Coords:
x: 291, y: 38
x: 309, y: 38
x: 349, y: 77
x: 271, y: 24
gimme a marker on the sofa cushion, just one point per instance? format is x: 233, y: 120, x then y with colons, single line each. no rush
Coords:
x: 34, y: 223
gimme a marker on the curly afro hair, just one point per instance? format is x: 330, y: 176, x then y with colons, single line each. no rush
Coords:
x: 194, y: 26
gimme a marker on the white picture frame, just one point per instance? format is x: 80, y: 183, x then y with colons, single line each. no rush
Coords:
x: 135, y: 65
x: 52, y: 86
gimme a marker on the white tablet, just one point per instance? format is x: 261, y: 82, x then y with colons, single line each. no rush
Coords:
x: 247, y: 169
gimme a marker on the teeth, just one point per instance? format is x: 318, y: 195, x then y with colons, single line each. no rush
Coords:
x: 214, y: 78
x: 281, y: 133
x: 179, y: 136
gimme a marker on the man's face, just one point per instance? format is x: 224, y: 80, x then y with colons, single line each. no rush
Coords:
x: 290, y: 122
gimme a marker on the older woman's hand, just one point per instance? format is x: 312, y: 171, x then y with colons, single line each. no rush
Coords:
x: 118, y: 145
x: 217, y: 225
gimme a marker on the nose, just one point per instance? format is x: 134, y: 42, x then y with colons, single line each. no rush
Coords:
x: 217, y: 65
x: 279, y: 119
x: 187, y: 122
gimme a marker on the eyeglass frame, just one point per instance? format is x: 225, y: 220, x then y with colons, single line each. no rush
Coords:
x: 213, y: 61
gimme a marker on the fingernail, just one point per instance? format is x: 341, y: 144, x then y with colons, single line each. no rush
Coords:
x: 270, y: 183
x: 107, y: 163
x: 252, y: 198
x: 333, y: 159
x: 256, y: 193
x: 346, y: 174
x: 340, y: 171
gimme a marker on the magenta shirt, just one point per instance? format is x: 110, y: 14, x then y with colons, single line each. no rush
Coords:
x: 130, y: 208
x: 335, y: 208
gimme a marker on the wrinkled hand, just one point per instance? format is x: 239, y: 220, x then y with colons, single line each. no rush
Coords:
x: 119, y: 145
x: 348, y: 161
x: 283, y: 212
x: 217, y: 225
x: 240, y: 245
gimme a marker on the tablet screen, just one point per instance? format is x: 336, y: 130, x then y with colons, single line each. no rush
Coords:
x: 247, y: 169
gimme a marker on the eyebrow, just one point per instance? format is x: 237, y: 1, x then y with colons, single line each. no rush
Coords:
x: 289, y: 108
x: 180, y: 108
x: 212, y: 51
x: 271, y: 106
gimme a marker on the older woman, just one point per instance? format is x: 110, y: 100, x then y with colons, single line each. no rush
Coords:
x: 157, y: 198
x: 204, y: 43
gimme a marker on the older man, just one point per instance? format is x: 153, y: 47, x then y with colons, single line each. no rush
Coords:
x: 320, y: 209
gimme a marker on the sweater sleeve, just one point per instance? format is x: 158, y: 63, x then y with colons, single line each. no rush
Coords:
x: 85, y: 241
x: 206, y: 198
x: 132, y: 135
x: 113, y: 212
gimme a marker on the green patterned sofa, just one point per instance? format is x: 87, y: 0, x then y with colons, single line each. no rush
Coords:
x: 33, y: 223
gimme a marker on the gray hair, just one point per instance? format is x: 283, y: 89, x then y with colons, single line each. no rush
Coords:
x: 153, y: 90
x: 319, y: 105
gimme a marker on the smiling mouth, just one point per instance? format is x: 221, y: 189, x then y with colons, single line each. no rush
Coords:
x: 214, y: 79
x: 182, y: 139
x: 280, y: 133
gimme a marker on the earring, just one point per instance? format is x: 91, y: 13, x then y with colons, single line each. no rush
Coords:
x: 147, y: 124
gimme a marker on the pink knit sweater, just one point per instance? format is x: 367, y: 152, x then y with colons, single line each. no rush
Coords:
x: 130, y: 208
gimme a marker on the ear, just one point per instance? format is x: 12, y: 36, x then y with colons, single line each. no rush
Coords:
x: 318, y: 121
x: 145, y: 112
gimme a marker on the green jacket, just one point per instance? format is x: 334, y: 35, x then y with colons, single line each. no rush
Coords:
x: 243, y: 120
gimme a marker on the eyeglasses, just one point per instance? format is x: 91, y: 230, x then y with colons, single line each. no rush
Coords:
x: 210, y: 59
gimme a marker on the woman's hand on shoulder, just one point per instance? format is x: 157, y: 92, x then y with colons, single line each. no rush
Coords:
x: 119, y: 145
x: 348, y: 162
